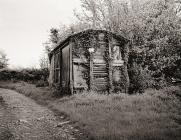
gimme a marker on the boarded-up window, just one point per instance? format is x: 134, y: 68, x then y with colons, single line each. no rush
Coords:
x: 79, y: 76
x: 116, y: 53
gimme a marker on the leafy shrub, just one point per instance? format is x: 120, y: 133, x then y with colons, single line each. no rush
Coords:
x: 41, y: 83
x: 36, y: 76
x: 142, y: 78
x: 137, y: 83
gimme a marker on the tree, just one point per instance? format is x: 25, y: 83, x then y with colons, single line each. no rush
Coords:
x: 61, y: 33
x: 158, y: 35
x: 104, y: 14
x: 3, y: 60
x: 155, y: 38
x: 153, y: 28
x: 44, y: 60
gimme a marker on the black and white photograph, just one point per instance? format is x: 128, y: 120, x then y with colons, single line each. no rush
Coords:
x: 90, y: 69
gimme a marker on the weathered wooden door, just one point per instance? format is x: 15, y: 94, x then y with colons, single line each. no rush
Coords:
x: 100, y: 68
x: 65, y: 67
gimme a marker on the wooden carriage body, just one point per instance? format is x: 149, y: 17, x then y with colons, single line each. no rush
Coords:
x: 90, y: 60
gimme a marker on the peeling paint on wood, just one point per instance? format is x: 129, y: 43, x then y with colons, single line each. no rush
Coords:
x: 104, y: 69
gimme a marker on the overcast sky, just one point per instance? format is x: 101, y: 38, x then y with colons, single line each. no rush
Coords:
x: 25, y: 24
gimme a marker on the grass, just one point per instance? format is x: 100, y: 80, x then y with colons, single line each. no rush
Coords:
x: 154, y: 115
x: 40, y: 94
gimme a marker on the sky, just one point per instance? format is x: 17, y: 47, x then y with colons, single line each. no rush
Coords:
x: 25, y: 25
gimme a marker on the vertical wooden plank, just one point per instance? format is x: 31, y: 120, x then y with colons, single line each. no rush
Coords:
x: 54, y: 76
x: 126, y: 55
x: 71, y: 67
x: 60, y: 68
x: 110, y: 65
x: 66, y: 67
x: 91, y: 72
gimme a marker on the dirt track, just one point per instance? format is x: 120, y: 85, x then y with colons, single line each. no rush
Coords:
x: 23, y: 119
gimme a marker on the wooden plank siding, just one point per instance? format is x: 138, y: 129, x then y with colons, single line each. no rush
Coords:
x: 105, y: 69
x: 110, y: 65
x: 100, y: 68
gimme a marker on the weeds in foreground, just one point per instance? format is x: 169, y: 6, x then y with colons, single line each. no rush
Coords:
x: 154, y: 115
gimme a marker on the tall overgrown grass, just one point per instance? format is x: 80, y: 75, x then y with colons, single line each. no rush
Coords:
x: 154, y: 115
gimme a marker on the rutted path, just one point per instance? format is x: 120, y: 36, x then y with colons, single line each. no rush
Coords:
x: 22, y: 118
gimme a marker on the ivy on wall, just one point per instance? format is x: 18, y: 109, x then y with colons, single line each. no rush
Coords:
x: 84, y: 41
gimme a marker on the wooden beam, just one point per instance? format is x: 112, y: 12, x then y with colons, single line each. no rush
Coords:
x: 60, y: 68
x: 54, y: 72
x: 71, y: 68
x: 110, y: 65
x: 91, y: 72
x: 126, y: 56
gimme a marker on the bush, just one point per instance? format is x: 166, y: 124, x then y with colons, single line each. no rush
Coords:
x: 142, y: 78
x: 41, y: 83
x: 36, y: 76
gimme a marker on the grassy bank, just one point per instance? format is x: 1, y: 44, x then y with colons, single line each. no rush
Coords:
x: 154, y: 115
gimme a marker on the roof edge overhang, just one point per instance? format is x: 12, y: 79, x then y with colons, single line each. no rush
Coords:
x: 62, y: 43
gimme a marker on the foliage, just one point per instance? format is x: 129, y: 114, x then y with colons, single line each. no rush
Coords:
x: 44, y: 60
x: 61, y: 33
x: 153, y: 28
x: 54, y: 35
x: 27, y: 75
x: 104, y: 14
x: 156, y: 41
x: 3, y: 60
